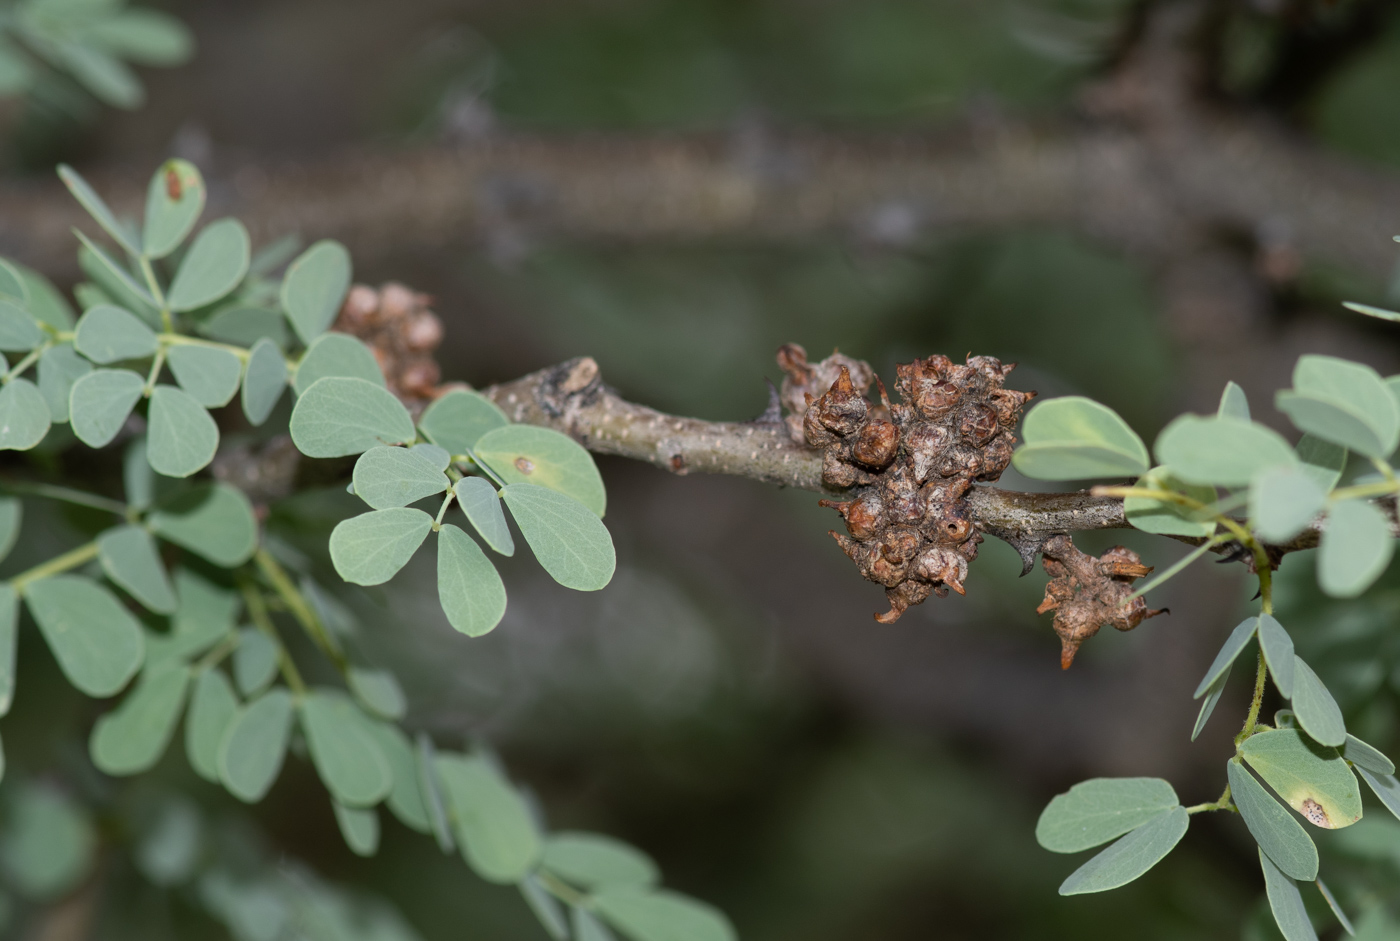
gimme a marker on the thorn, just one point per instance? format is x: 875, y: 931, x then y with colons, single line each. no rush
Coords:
x: 1067, y: 652
x: 843, y: 382
x: 884, y: 396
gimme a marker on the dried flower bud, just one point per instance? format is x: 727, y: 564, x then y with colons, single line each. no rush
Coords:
x: 423, y: 333
x: 876, y: 444
x: 1086, y: 593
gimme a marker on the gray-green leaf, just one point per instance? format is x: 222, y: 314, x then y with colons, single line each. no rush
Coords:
x: 1222, y: 451
x: 97, y: 208
x: 647, y: 915
x: 378, y: 691
x: 1239, y: 638
x: 482, y: 505
x: 255, y: 745
x: 96, y: 642
x: 11, y: 519
x: 1286, y: 902
x: 174, y: 200
x: 337, y: 416
x: 9, y: 635
x: 1074, y: 437
x: 209, y: 374
x: 1385, y: 787
x: 459, y: 419
x: 181, y: 436
x: 245, y: 326
x: 571, y: 543
x: 1131, y: 856
x: 469, y: 588
x: 1273, y: 828
x: 24, y: 416
x: 100, y: 402
x: 130, y: 559
x: 343, y: 749
x: 390, y: 477
x: 1278, y: 653
x: 1233, y: 403
x: 1283, y: 501
x: 1311, y: 779
x: 214, y: 521
x: 254, y: 662
x: 1213, y: 692
x: 1323, y: 461
x: 337, y: 354
x: 216, y: 262
x: 263, y: 381
x: 1356, y: 548
x: 18, y: 328
x: 592, y: 860
x: 314, y: 288
x: 59, y: 367
x: 1317, y: 712
x: 212, y: 707
x: 359, y: 826
x: 107, y: 334
x: 370, y: 548
x: 1100, y: 809
x: 1367, y: 756
x: 131, y: 738
x: 1163, y: 516
x: 405, y: 798
x: 1343, y: 402
x: 493, y: 825
x: 530, y: 454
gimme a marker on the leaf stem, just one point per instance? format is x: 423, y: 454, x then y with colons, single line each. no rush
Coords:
x: 61, y: 563
x: 1377, y: 488
x: 1251, y: 721
x: 442, y: 510
x: 30, y: 358
x: 156, y: 363
x: 1223, y: 803
x: 257, y: 610
x: 180, y: 339
x: 66, y: 494
x: 1180, y: 564
x: 149, y: 273
x: 562, y: 890
x: 299, y: 608
x: 211, y: 659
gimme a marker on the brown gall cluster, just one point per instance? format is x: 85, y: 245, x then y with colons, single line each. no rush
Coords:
x: 397, y: 325
x: 909, y: 465
x: 1086, y: 593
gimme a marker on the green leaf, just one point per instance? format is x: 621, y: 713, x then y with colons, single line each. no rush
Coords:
x: 1343, y: 402
x: 130, y: 559
x: 1356, y: 548
x: 1336, y: 908
x: 405, y: 798
x: 433, y: 454
x: 212, y: 707
x: 1370, y: 311
x: 337, y: 416
x: 1239, y: 638
x: 1098, y: 810
x: 12, y: 286
x: 337, y: 354
x: 245, y: 326
x: 433, y: 799
x: 116, y: 282
x: 1212, y: 692
x: 97, y: 208
x: 1367, y: 756
x: 1273, y: 828
x: 181, y: 436
x: 11, y: 517
x: 131, y: 738
x: 1233, y: 403
x: 571, y: 543
x: 1323, y: 461
x: 96, y: 642
x: 370, y: 548
x: 255, y: 745
x: 482, y: 504
x: 203, y: 617
x: 391, y: 477
x: 493, y: 826
x: 59, y: 367
x: 469, y: 588
x: 24, y: 416
x: 214, y: 521
x: 588, y: 928
x: 1278, y: 653
x: 45, y: 301
x: 264, y: 380
x: 1315, y: 708
x: 378, y: 691
x: 546, y: 908
x: 314, y: 288
x: 1164, y: 517
x: 1130, y: 856
x: 107, y: 334
x: 18, y: 328
x: 149, y: 37
x: 343, y: 749
x: 647, y: 915
x: 100, y: 402
x: 254, y: 662
x: 529, y: 454
x: 1312, y: 779
x: 592, y: 861
x: 216, y: 262
x: 50, y: 844
x: 1073, y: 437
x: 1286, y: 902
x: 359, y: 827
x: 210, y: 375
x: 174, y: 200
x: 105, y: 76
x: 1222, y: 451
x: 1283, y: 501
x: 1385, y: 787
x: 9, y: 634
x: 459, y: 419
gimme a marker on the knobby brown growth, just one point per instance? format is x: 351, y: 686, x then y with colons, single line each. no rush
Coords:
x: 397, y: 325
x: 910, y: 464
x: 1086, y: 593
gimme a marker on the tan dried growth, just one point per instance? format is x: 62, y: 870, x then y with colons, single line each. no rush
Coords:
x: 397, y: 325
x: 910, y: 464
x: 1086, y: 593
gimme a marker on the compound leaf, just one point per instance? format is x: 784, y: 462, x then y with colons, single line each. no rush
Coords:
x: 469, y: 588
x: 216, y: 262
x: 337, y: 416
x: 392, y: 477
x: 370, y: 548
x: 96, y: 642
x: 314, y: 288
x: 100, y: 402
x: 130, y: 559
x: 344, y: 749
x: 1273, y: 828
x: 459, y: 419
x: 214, y: 521
x: 1356, y: 548
x: 131, y: 738
x: 482, y: 505
x: 1317, y: 712
x: 1098, y: 810
x: 571, y: 543
x: 263, y: 380
x: 181, y: 435
x: 337, y: 354
x: 255, y: 745
x: 174, y: 200
x: 1074, y: 437
x: 212, y: 707
x: 107, y: 334
x: 209, y: 374
x: 592, y: 861
x: 493, y: 825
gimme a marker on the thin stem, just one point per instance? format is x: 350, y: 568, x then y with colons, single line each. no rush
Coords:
x: 211, y: 659
x: 154, y: 374
x: 1224, y: 803
x: 442, y: 510
x: 62, y: 563
x: 1220, y: 507
x: 1145, y: 493
x: 1377, y: 488
x: 562, y: 890
x: 1384, y: 467
x: 1251, y: 721
x: 149, y: 273
x: 180, y: 339
x: 29, y: 360
x: 300, y: 609
x: 1180, y: 564
x: 67, y: 495
x: 257, y: 610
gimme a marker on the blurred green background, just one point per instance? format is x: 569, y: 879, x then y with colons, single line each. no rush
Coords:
x: 727, y: 704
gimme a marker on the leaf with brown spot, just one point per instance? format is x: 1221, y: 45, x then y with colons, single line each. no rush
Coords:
x: 1312, y: 779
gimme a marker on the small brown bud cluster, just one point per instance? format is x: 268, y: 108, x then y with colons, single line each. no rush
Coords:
x: 398, y: 326
x: 804, y: 381
x: 1086, y: 593
x: 907, y: 524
